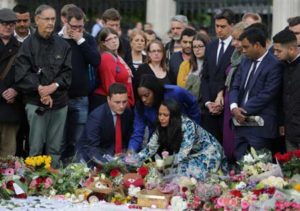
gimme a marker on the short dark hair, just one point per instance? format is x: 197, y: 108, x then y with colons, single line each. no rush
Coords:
x: 226, y: 14
x: 254, y: 35
x: 293, y: 21
x: 111, y: 14
x: 74, y: 12
x: 188, y: 32
x: 285, y: 36
x: 263, y: 27
x: 117, y: 88
x: 20, y: 8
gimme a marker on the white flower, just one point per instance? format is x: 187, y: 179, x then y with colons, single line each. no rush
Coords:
x: 272, y: 181
x: 178, y: 204
x: 194, y: 181
x: 159, y: 163
x: 240, y: 185
x: 248, y: 158
x: 133, y: 191
x: 52, y: 192
x: 86, y: 170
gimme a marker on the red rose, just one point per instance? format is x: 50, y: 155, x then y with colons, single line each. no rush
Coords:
x: 9, y: 185
x: 39, y: 180
x: 270, y: 190
x: 283, y: 158
x: 22, y: 179
x: 184, y: 189
x: 236, y: 193
x: 143, y: 171
x: 297, y: 153
x: 257, y: 192
x: 115, y: 172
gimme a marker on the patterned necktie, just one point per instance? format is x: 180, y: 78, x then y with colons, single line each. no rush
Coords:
x: 221, y: 52
x: 118, y: 135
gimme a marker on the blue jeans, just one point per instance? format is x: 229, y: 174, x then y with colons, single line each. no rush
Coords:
x: 76, y: 120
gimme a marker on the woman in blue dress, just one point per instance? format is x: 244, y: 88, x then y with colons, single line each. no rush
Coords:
x: 196, y: 152
x: 150, y: 95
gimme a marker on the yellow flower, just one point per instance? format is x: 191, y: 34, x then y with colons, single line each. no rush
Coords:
x: 297, y: 187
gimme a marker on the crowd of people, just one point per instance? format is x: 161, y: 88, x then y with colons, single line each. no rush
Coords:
x: 80, y: 97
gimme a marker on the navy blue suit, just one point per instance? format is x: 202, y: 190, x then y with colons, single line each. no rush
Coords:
x: 212, y: 82
x: 98, y: 137
x: 264, y: 93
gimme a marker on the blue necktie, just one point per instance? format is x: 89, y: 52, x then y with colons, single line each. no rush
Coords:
x: 221, y: 52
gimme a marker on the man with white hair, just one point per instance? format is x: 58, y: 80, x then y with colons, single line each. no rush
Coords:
x: 178, y: 24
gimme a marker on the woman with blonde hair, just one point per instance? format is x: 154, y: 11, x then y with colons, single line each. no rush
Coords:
x: 138, y: 42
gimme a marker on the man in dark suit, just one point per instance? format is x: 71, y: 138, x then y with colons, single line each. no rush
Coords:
x: 108, y: 127
x: 255, y: 92
x: 286, y: 50
x: 216, y: 60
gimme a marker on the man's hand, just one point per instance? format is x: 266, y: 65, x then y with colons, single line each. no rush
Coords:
x: 215, y: 108
x: 239, y: 114
x: 47, y: 100
x: 76, y: 35
x: 220, y: 98
x: 9, y: 95
x: 47, y: 90
x: 281, y: 131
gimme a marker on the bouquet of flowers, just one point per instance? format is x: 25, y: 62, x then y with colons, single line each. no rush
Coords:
x: 71, y: 178
x: 289, y: 162
x: 39, y: 173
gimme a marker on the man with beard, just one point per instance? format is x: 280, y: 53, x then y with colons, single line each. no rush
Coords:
x: 286, y: 50
x: 22, y: 30
x: 177, y: 58
x: 178, y: 24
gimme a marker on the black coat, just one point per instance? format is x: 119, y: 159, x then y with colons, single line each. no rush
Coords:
x: 43, y: 62
x: 8, y: 112
x: 291, y: 99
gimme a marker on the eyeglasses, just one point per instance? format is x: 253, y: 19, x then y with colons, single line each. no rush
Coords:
x: 111, y: 39
x: 74, y: 27
x: 10, y: 23
x: 47, y: 19
x: 156, y: 51
x: 198, y: 46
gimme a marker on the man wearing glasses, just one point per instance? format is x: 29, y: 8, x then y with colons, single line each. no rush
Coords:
x: 9, y: 112
x: 43, y: 75
x: 84, y: 53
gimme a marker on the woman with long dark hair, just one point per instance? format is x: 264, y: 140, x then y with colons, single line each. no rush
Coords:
x: 189, y: 73
x: 112, y: 68
x: 150, y: 95
x: 196, y: 152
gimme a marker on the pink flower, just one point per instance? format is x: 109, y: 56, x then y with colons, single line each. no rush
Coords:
x: 33, y: 184
x: 233, y: 202
x: 17, y: 165
x: 245, y: 204
x: 9, y: 172
x: 165, y: 154
x: 48, y: 182
x: 221, y: 201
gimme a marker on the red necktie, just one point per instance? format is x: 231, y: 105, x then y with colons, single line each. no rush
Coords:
x: 118, y: 143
